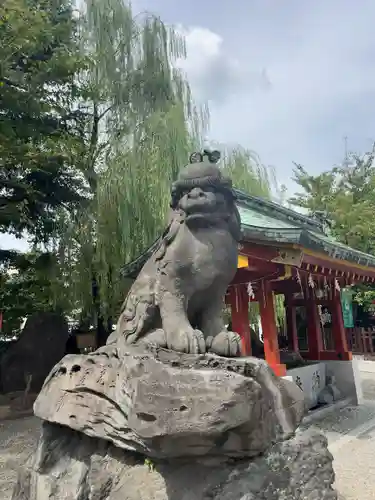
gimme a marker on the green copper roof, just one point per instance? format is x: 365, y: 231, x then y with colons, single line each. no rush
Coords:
x: 266, y: 221
x: 267, y: 214
x: 252, y: 218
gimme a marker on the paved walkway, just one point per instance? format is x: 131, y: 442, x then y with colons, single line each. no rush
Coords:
x: 355, y: 464
x: 351, y: 437
x: 18, y: 439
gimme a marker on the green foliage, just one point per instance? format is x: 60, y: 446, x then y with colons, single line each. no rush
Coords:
x: 247, y: 172
x: 318, y: 191
x: 149, y: 464
x: 143, y: 126
x: 344, y: 198
x: 254, y: 314
x: 95, y: 122
x: 364, y: 295
x: 28, y: 283
x: 279, y: 301
x: 39, y: 136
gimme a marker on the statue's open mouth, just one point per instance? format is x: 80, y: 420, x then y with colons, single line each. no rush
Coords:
x: 207, y: 217
x: 203, y: 206
x: 198, y: 215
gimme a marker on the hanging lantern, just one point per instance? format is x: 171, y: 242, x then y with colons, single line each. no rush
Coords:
x: 250, y: 291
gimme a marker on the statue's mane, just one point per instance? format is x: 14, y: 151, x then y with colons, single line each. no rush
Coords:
x: 169, y: 234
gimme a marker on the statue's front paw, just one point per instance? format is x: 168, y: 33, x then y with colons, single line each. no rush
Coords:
x: 225, y: 343
x: 156, y: 338
x: 189, y: 341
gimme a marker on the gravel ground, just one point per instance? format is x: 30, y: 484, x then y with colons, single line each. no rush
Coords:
x: 335, y: 425
x: 350, y: 432
x: 17, y: 441
x: 368, y: 385
x: 354, y: 464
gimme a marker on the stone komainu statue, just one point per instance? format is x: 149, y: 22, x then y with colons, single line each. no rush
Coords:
x: 177, y: 299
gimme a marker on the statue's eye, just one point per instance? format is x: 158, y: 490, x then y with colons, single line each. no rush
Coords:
x: 196, y: 157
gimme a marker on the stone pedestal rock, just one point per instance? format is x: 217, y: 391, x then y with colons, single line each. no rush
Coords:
x: 160, y: 425
x: 166, y: 404
x: 71, y: 466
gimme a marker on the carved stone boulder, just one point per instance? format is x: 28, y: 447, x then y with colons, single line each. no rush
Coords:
x: 69, y: 465
x: 166, y: 404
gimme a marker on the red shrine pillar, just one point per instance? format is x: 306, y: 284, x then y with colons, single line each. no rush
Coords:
x: 338, y: 330
x: 239, y: 303
x: 291, y: 323
x: 270, y: 338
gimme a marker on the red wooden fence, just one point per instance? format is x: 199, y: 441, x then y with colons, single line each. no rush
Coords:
x: 361, y: 340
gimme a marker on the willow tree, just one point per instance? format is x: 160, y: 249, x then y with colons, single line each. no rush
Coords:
x: 142, y: 125
x: 248, y: 173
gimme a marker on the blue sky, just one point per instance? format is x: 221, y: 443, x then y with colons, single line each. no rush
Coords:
x: 288, y: 79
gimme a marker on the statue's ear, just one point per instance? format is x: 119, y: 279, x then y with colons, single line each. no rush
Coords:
x: 175, y: 196
x: 196, y: 157
x: 235, y: 223
x: 168, y: 235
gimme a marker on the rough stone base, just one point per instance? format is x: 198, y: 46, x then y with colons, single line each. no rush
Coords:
x: 71, y: 466
x: 165, y: 404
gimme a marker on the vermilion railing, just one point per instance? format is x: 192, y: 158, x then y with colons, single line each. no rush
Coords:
x: 361, y: 340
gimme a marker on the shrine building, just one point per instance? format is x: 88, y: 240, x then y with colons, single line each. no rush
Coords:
x: 283, y: 252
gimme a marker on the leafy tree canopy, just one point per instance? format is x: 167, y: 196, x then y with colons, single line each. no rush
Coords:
x: 344, y: 198
x: 95, y: 122
x: 40, y: 139
x: 28, y: 284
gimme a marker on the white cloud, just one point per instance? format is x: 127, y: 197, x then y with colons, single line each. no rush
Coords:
x: 289, y: 82
x: 214, y: 74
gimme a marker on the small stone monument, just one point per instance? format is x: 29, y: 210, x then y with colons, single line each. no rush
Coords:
x: 30, y: 359
x: 168, y: 409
